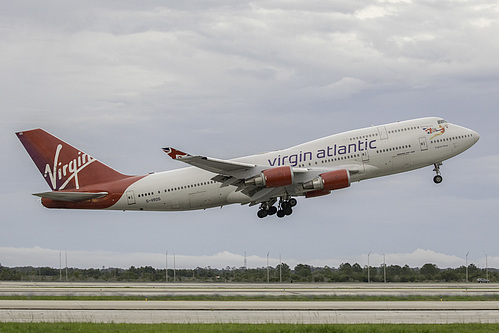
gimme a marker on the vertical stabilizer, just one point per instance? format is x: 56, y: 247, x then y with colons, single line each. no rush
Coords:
x: 63, y: 166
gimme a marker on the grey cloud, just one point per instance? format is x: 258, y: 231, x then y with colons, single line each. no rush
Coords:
x: 225, y: 79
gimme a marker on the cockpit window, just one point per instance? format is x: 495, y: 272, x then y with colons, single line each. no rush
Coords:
x: 441, y: 121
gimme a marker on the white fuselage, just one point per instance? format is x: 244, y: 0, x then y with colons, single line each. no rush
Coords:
x: 371, y: 152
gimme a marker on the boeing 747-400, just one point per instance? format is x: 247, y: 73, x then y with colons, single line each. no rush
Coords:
x: 271, y: 180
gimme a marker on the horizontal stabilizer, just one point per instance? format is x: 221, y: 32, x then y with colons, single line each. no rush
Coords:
x: 71, y: 196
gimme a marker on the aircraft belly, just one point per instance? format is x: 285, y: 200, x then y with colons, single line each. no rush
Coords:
x: 401, y: 162
x: 198, y: 200
x: 213, y: 197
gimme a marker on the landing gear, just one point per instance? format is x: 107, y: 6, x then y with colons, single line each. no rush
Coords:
x: 438, y: 178
x: 285, y: 208
x: 262, y: 213
x: 272, y: 210
x: 266, y: 209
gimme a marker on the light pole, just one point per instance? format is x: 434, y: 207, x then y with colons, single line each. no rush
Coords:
x: 486, y: 267
x: 368, y: 272
x: 268, y: 273
x: 467, y: 266
x: 166, y: 266
x: 66, y: 266
x: 280, y: 268
x: 60, y: 266
x: 384, y: 267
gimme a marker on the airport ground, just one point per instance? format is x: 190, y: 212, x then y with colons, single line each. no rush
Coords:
x: 60, y: 302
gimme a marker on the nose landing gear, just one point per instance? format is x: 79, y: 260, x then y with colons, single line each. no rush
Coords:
x: 438, y: 178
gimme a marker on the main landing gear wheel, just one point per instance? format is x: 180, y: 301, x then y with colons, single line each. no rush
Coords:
x: 262, y: 213
x: 266, y: 210
x: 284, y: 212
x: 272, y: 210
x: 438, y: 178
x: 285, y: 208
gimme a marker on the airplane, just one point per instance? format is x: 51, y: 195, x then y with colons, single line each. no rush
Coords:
x: 271, y: 180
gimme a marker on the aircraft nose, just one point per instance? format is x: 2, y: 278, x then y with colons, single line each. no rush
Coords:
x: 476, y: 136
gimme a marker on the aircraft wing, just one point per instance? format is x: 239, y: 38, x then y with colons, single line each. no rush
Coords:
x: 230, y: 173
x: 222, y: 167
x: 71, y: 196
x: 239, y: 174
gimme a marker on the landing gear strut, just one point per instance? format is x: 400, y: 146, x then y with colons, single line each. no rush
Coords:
x: 284, y: 208
x: 438, y: 178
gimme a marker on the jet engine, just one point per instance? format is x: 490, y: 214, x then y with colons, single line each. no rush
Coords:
x: 333, y: 180
x: 275, y: 177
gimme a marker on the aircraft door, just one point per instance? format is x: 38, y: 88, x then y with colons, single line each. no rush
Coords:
x: 130, y: 196
x: 365, y: 156
x: 383, y: 134
x: 174, y: 203
x: 423, y: 144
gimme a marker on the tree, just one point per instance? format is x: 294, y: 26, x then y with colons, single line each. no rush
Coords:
x: 356, y: 268
x: 429, y: 271
x: 449, y: 275
x: 303, y: 272
x: 345, y: 268
x: 407, y: 274
x: 285, y: 270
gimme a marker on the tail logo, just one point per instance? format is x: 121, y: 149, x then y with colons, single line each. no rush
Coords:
x: 60, y: 171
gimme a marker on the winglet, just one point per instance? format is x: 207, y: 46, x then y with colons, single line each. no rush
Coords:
x: 174, y: 153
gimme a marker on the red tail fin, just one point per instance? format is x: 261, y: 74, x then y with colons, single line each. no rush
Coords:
x: 62, y: 165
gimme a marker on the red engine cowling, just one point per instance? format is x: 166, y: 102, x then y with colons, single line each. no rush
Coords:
x: 275, y: 177
x: 333, y: 180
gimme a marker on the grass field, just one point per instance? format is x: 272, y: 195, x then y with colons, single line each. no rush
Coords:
x: 243, y: 328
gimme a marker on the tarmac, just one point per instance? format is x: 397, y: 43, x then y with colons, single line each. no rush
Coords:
x: 438, y: 311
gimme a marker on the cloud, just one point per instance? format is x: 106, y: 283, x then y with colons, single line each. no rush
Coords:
x: 172, y: 58
x: 372, y: 12
x: 233, y: 78
x: 344, y: 88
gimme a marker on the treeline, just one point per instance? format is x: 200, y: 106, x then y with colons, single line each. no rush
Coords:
x: 301, y: 273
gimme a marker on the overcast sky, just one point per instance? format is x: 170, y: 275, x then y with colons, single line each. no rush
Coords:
x: 120, y: 80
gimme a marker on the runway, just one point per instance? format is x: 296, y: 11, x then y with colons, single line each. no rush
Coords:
x: 245, y: 289
x: 438, y: 312
x: 288, y: 311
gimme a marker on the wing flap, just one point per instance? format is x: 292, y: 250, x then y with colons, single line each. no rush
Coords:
x: 71, y: 196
